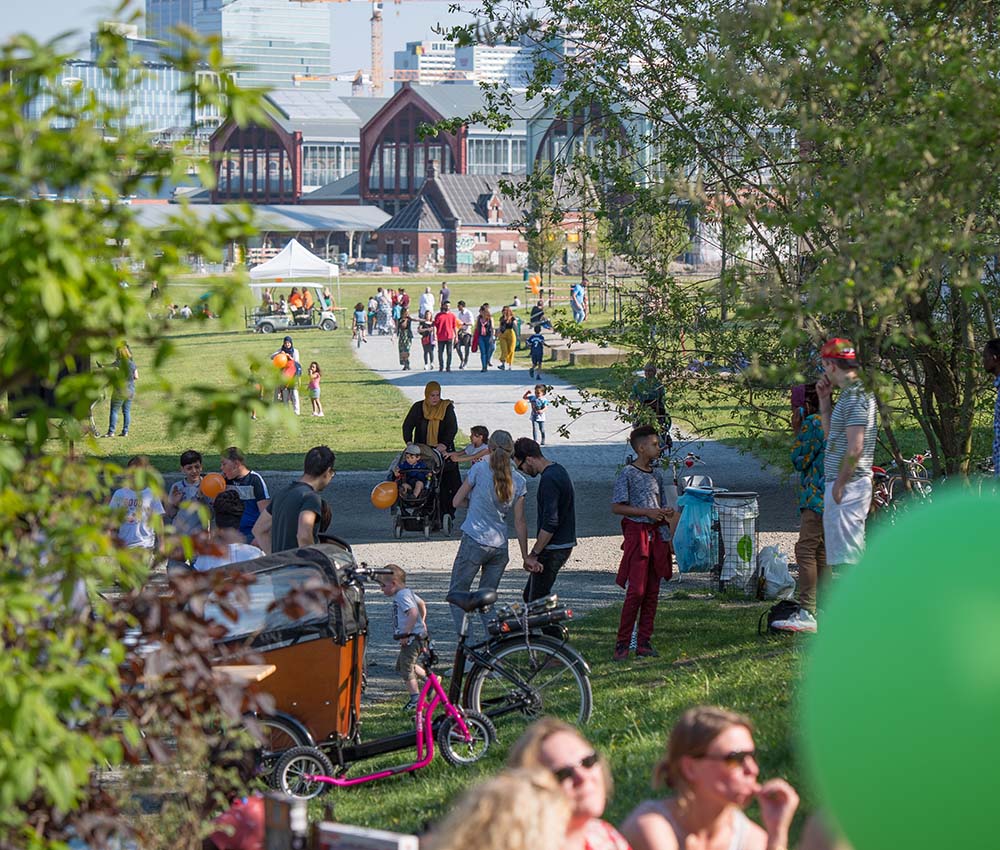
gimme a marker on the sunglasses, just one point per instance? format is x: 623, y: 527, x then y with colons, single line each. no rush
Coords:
x: 737, y: 758
x: 567, y: 772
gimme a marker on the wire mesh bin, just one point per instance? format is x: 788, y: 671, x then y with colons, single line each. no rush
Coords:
x: 738, y: 514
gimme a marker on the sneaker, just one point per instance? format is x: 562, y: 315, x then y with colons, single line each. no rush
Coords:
x: 802, y: 621
x: 621, y: 651
x: 110, y: 434
x: 122, y: 434
x: 411, y: 703
x: 500, y: 367
x: 645, y: 650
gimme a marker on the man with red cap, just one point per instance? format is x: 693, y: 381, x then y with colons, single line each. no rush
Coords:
x: 851, y: 427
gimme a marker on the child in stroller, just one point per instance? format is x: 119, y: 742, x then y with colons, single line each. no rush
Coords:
x: 417, y: 471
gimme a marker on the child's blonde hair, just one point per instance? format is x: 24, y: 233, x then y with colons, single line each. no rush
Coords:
x: 398, y: 573
x: 522, y: 809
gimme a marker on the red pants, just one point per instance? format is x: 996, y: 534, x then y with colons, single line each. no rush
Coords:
x: 645, y: 560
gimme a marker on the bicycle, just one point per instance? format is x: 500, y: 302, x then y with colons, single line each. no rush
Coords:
x: 887, y: 480
x: 515, y: 670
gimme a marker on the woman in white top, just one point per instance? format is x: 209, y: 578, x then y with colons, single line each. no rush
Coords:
x: 711, y: 764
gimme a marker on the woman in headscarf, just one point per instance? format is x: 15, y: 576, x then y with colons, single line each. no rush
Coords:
x: 507, y: 337
x: 433, y: 422
x: 384, y: 313
x: 289, y: 393
x: 493, y: 491
x: 404, y: 338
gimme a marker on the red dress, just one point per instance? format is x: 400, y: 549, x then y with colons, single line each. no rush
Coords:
x: 601, y: 835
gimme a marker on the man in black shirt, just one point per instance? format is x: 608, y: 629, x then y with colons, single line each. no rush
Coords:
x: 556, y: 535
x: 296, y: 511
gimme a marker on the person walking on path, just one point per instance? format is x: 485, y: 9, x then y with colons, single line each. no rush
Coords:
x: 464, y: 343
x: 250, y: 485
x: 507, y: 337
x: 484, y: 337
x: 426, y: 301
x: 293, y: 518
x: 578, y: 301
x: 492, y: 490
x: 851, y: 428
x: 556, y: 535
x: 426, y: 330
x: 645, y: 502
x: 807, y: 457
x: 446, y: 330
x: 434, y: 423
x: 123, y: 391
x: 991, y: 363
x: 444, y: 293
x: 404, y: 338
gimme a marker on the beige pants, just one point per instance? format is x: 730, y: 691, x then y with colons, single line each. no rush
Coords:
x: 810, y: 555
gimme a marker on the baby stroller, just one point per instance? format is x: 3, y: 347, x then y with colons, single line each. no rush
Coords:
x: 413, y: 513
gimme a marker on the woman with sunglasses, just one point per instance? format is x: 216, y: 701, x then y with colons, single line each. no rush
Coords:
x: 583, y: 775
x: 711, y: 764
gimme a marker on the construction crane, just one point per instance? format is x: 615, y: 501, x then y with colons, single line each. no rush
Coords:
x: 377, y: 74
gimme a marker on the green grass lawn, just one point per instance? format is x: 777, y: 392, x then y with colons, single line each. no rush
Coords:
x: 710, y: 653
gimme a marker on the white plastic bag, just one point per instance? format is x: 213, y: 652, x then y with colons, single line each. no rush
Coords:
x: 778, y: 582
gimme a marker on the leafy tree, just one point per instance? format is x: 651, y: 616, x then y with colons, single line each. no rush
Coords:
x: 841, y: 152
x: 76, y: 274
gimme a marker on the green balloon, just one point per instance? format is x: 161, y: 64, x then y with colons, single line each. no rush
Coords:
x: 901, y: 697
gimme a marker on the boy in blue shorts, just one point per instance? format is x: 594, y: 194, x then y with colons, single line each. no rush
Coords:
x: 536, y: 342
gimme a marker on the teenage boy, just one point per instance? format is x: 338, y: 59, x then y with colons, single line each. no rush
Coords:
x: 536, y: 344
x: 851, y: 427
x: 250, y: 485
x: 645, y: 502
x: 185, y: 496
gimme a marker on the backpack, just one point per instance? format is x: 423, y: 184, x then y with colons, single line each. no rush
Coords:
x: 780, y: 611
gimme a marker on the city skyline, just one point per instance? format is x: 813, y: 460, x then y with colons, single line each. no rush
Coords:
x: 405, y: 22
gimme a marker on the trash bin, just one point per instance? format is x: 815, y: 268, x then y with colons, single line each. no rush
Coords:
x: 738, y: 514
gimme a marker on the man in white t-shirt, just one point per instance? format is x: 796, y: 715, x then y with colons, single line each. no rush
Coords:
x: 227, y: 544
x: 464, y: 345
x: 426, y: 302
x: 142, y: 511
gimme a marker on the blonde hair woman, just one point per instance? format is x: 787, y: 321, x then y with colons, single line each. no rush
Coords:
x: 711, y: 764
x: 507, y: 337
x: 583, y: 775
x: 515, y: 810
x: 492, y: 490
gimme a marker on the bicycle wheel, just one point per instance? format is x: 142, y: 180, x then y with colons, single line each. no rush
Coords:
x: 455, y: 749
x: 550, y: 680
x: 276, y: 735
x: 296, y: 769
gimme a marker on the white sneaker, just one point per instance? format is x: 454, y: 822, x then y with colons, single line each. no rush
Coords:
x: 800, y: 621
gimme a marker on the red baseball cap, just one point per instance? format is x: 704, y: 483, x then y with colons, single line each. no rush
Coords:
x: 838, y: 349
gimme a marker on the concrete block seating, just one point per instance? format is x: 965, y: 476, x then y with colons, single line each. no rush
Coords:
x: 577, y: 353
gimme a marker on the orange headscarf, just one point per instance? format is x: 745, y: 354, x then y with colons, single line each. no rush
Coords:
x: 434, y: 413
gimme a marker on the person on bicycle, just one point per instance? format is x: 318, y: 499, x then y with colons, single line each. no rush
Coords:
x: 649, y: 405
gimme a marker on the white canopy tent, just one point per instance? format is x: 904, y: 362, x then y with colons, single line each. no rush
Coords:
x: 296, y: 262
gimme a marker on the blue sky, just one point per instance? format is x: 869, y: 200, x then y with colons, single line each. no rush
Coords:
x: 407, y: 21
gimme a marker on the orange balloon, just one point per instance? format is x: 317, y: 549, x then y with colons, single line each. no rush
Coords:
x: 212, y: 484
x: 280, y: 360
x: 384, y: 495
x: 535, y: 287
x: 289, y: 370
x: 521, y: 406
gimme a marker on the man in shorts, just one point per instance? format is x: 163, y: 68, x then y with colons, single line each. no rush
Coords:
x: 851, y: 426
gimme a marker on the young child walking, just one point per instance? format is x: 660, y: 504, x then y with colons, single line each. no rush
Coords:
x: 536, y: 343
x: 538, y: 404
x: 409, y: 624
x: 645, y: 501
x: 315, y: 376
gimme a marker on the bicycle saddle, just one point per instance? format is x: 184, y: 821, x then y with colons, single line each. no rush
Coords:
x: 478, y: 600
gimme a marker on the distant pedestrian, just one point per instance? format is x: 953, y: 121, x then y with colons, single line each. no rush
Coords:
x: 556, y: 535
x: 426, y: 301
x: 851, y: 428
x: 123, y: 391
x: 464, y: 344
x: 445, y: 292
x: 372, y: 313
x: 536, y: 346
x: 293, y: 519
x: 426, y: 330
x: 646, y: 502
x: 250, y: 485
x: 578, y: 301
x: 404, y: 338
x: 404, y: 299
x: 360, y: 323
x: 507, y: 338
x: 315, y: 377
x: 538, y: 404
x: 492, y: 490
x: 445, y: 330
x: 484, y: 336
x: 289, y: 393
x: 991, y: 363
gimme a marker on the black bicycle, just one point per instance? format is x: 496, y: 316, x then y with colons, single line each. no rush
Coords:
x: 518, y: 670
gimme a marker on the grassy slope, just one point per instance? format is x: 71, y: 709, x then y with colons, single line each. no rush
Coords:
x: 710, y: 653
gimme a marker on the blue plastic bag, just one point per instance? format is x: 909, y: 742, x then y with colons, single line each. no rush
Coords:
x: 695, y: 543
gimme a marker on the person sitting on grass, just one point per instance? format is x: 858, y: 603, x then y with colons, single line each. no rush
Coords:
x: 477, y: 448
x: 412, y: 472
x: 409, y: 622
